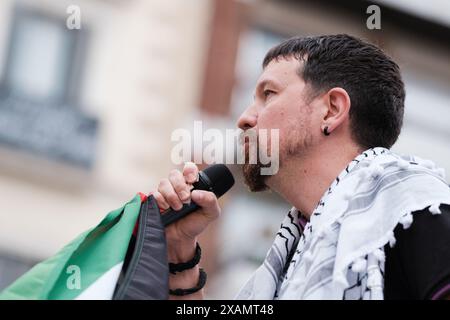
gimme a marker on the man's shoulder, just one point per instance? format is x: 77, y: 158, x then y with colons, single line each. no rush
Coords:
x: 418, y: 265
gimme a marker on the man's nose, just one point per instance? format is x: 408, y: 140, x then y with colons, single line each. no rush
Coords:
x: 248, y: 119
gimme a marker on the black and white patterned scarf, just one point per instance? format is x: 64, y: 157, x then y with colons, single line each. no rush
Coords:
x: 339, y: 253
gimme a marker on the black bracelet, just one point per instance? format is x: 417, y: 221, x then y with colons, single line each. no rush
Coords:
x: 179, y: 267
x: 200, y: 285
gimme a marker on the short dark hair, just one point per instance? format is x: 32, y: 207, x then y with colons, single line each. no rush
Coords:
x: 370, y: 77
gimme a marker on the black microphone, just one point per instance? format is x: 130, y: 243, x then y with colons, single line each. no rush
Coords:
x: 216, y: 178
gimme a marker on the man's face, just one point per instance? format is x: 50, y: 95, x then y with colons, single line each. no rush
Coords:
x: 280, y: 102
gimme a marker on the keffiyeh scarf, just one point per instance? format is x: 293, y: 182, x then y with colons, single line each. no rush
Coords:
x: 339, y: 253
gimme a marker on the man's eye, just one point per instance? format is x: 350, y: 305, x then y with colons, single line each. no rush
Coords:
x: 267, y: 93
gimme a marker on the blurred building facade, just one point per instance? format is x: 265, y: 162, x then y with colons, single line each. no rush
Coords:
x: 86, y: 115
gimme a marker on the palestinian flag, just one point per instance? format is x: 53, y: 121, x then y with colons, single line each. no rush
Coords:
x: 106, y: 262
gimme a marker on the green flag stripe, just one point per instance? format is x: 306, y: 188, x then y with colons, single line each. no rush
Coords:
x: 94, y: 252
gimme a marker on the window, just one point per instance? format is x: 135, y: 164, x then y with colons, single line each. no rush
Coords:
x: 39, y: 91
x: 39, y: 54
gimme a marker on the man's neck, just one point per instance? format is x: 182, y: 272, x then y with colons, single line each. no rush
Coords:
x: 302, y: 181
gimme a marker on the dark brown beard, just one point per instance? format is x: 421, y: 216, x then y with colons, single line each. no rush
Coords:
x: 252, y: 172
x: 253, y: 178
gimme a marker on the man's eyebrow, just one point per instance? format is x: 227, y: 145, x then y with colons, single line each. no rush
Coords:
x: 265, y: 82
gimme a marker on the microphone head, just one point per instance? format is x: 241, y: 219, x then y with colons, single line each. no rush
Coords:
x: 220, y: 178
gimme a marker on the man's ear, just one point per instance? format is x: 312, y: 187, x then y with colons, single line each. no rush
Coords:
x: 338, y: 102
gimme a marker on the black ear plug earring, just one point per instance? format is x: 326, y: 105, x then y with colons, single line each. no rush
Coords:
x: 325, y: 131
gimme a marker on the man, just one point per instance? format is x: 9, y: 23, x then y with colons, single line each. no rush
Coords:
x: 366, y: 223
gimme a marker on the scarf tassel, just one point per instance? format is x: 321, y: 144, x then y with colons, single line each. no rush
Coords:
x: 360, y: 265
x: 434, y: 209
x: 392, y: 239
x: 375, y: 281
x: 406, y: 220
x: 379, y: 255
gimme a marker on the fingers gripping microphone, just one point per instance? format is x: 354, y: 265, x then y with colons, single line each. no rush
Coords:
x: 216, y: 178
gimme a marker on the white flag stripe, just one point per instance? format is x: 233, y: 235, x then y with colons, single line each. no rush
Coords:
x: 103, y: 287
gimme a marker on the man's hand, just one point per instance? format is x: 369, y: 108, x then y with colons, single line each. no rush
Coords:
x: 182, y: 235
x: 175, y: 191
